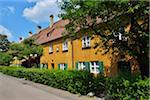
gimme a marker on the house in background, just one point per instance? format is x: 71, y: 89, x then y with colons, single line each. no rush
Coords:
x: 67, y: 54
x: 77, y: 54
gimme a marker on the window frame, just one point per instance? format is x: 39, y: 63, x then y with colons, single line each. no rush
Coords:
x: 94, y: 67
x: 63, y: 66
x: 86, y: 42
x: 65, y: 46
x: 51, y: 48
x: 81, y: 66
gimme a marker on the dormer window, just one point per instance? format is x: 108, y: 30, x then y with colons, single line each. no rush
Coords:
x: 50, y: 48
x: 48, y: 34
x: 65, y: 46
x: 86, y: 41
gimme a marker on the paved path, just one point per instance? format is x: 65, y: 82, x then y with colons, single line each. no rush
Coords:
x: 16, y: 89
x: 11, y: 89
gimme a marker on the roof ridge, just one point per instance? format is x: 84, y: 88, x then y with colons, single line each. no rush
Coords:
x: 55, y: 32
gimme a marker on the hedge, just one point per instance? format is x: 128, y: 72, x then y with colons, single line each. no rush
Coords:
x: 128, y: 88
x: 82, y: 82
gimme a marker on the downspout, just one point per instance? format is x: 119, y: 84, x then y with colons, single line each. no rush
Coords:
x: 72, y: 55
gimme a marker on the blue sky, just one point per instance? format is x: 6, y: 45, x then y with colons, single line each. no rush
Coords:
x: 18, y: 17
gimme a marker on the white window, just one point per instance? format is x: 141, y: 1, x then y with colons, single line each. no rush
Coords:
x: 94, y: 67
x: 50, y: 48
x: 81, y: 66
x: 62, y: 66
x: 43, y: 66
x: 65, y: 46
x: 86, y: 41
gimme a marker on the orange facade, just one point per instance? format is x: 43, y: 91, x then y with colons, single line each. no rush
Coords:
x: 57, y: 55
x: 75, y: 53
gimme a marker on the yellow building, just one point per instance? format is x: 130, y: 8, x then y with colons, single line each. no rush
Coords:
x: 70, y: 54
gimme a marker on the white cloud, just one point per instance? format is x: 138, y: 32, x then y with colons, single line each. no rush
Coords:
x: 7, y: 11
x: 33, y: 0
x: 41, y: 11
x: 4, y: 30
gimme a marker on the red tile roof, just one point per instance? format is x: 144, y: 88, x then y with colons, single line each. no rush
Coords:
x: 51, y: 33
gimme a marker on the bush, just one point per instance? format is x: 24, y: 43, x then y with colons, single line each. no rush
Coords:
x: 133, y: 88
x: 97, y: 85
x: 13, y: 71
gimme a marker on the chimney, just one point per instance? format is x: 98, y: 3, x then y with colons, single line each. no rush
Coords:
x: 20, y: 39
x: 30, y: 34
x: 38, y: 29
x: 51, y: 20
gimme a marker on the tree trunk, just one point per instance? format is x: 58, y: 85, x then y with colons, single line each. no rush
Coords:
x: 142, y: 57
x: 29, y: 63
x: 143, y: 65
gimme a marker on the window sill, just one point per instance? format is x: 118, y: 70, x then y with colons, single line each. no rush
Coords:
x: 50, y: 52
x: 86, y: 47
x: 65, y: 50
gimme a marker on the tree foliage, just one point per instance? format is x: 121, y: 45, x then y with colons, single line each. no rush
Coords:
x: 25, y: 49
x: 109, y: 20
x: 4, y: 43
x: 5, y: 58
x: 22, y: 51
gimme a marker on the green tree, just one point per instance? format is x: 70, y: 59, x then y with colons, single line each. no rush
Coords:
x: 5, y: 58
x: 108, y: 19
x: 27, y: 49
x: 4, y: 43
